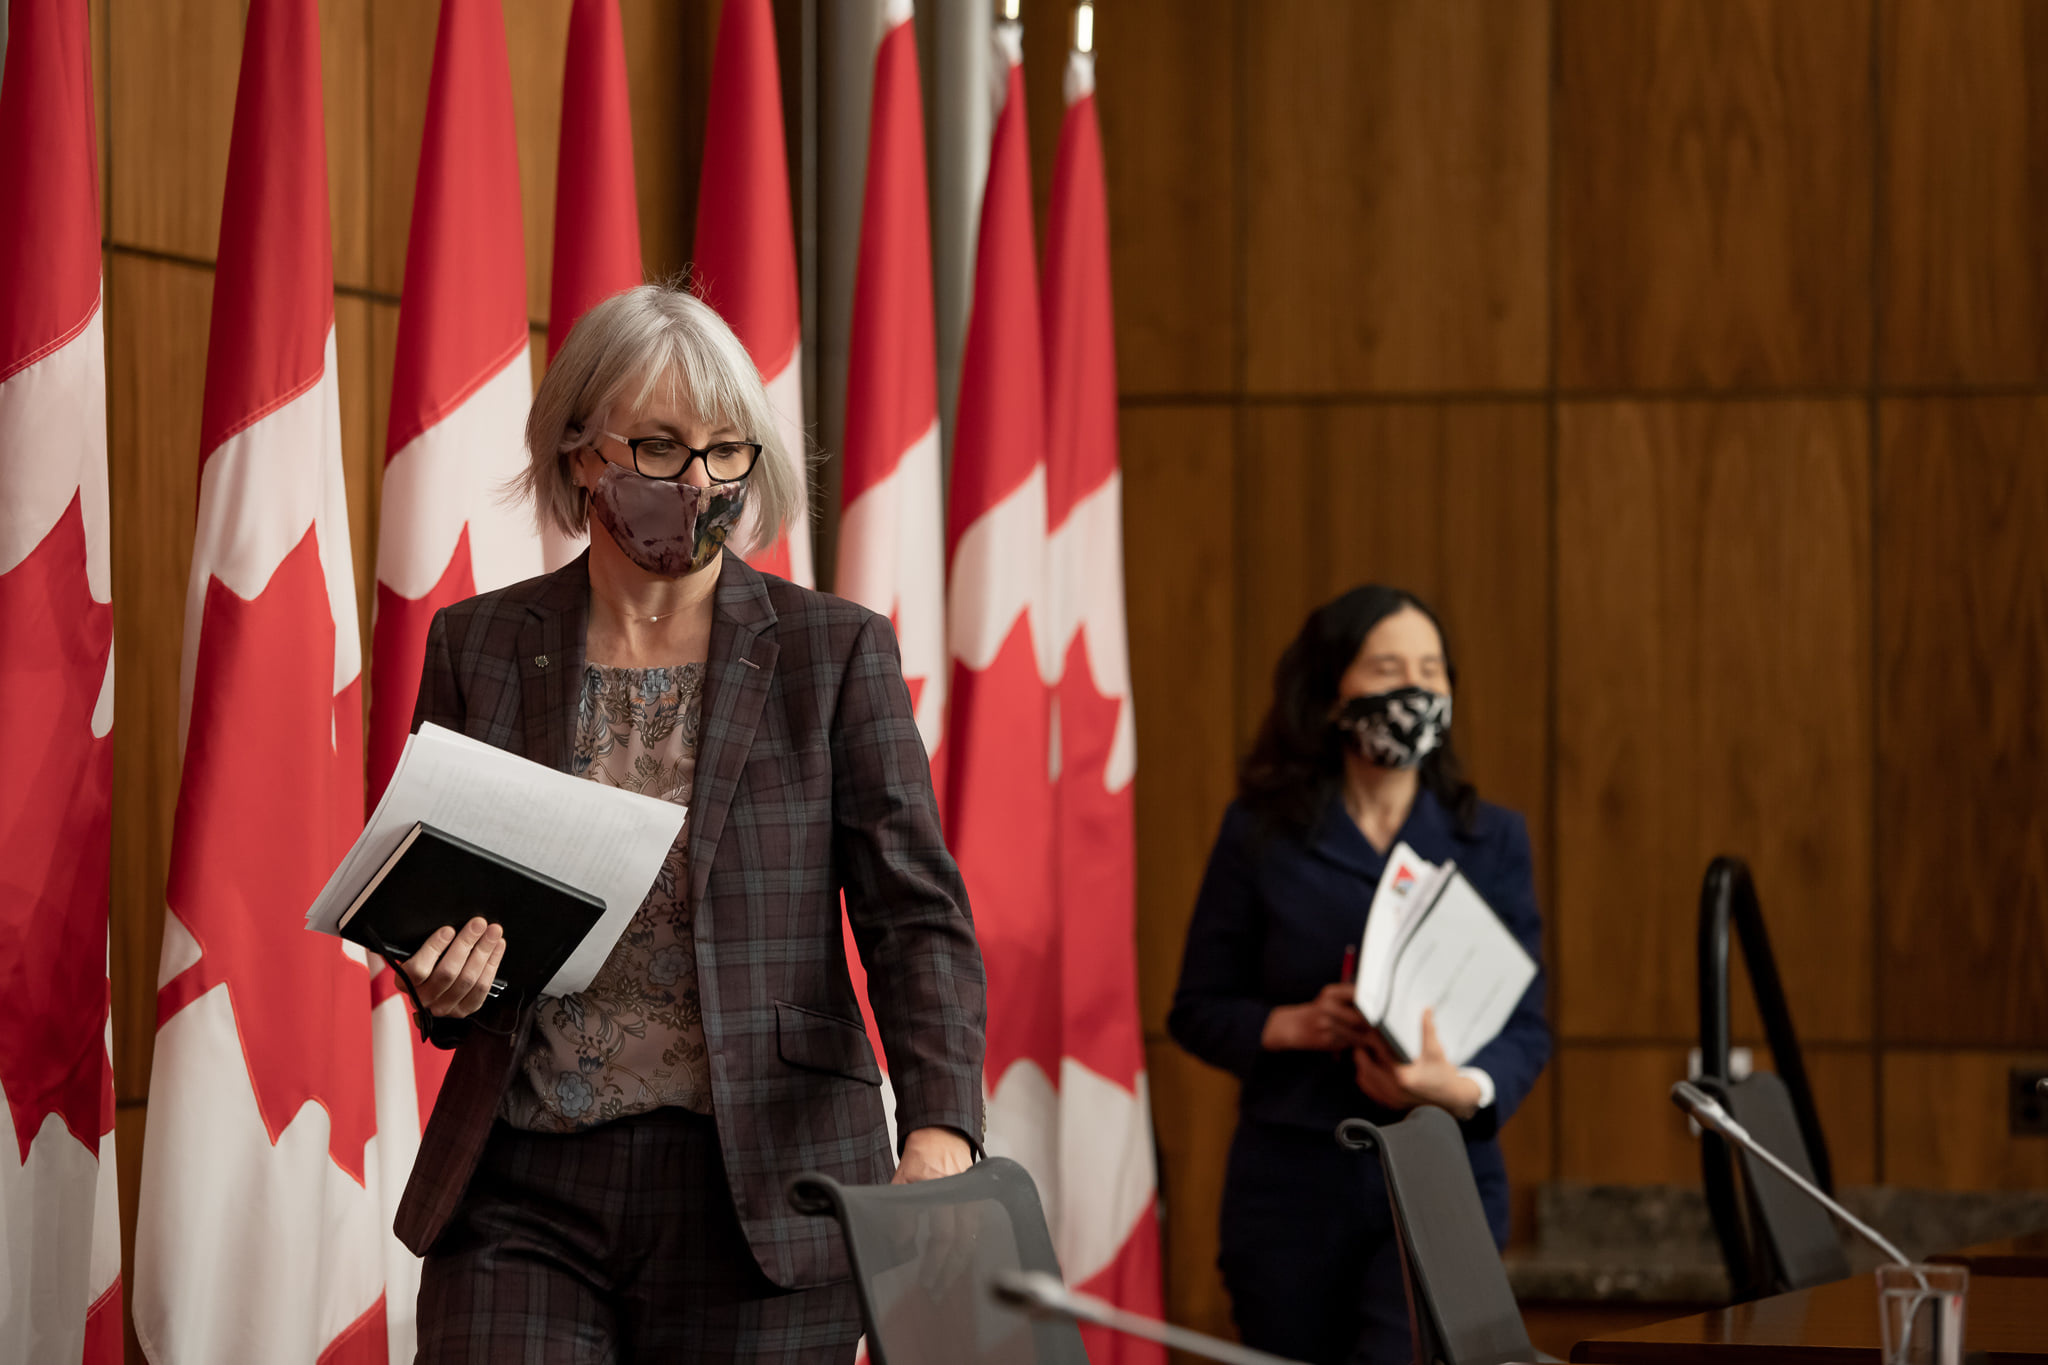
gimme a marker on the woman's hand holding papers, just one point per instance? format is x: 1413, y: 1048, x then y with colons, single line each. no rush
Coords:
x: 453, y: 971
x: 1429, y: 1079
x: 1329, y: 1023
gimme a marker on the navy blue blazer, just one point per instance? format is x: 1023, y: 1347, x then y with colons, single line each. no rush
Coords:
x: 1271, y: 926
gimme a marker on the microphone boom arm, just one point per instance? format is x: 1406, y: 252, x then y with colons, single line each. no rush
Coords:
x: 1708, y: 1111
x: 1042, y: 1295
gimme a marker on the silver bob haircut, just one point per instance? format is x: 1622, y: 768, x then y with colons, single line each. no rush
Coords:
x: 618, y: 356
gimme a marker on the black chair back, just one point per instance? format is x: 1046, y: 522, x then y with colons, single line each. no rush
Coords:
x: 1729, y: 905
x: 1792, y: 1237
x: 1460, y: 1306
x: 924, y: 1256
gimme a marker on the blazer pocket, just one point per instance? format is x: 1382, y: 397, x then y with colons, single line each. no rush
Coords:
x: 824, y: 1042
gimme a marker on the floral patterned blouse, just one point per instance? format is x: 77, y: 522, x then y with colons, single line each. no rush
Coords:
x: 633, y: 1040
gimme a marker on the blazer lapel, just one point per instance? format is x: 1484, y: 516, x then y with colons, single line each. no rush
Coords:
x: 737, y: 673
x: 1338, y: 840
x: 551, y: 664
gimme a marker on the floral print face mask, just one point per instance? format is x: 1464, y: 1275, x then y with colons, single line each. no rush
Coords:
x: 1395, y: 729
x: 666, y: 526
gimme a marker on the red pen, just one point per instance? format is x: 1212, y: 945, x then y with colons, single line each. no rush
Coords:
x: 1350, y: 964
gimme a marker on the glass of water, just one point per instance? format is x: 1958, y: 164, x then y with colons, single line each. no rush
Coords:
x: 1921, y: 1309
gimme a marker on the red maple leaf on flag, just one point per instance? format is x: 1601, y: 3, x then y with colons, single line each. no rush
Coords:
x: 270, y: 774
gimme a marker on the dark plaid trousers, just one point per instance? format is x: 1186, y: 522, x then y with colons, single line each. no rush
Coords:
x: 615, y: 1245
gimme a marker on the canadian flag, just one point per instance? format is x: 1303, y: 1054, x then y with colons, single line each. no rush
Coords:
x: 999, y: 802
x: 461, y: 382
x: 745, y: 250
x: 259, y: 1233
x: 60, y: 1249
x: 1108, y: 1226
x: 448, y: 529
x: 891, y: 555
x: 597, y: 215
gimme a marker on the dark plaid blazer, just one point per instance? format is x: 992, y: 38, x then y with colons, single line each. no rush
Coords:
x: 811, y: 779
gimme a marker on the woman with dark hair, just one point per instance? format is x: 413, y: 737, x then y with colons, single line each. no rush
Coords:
x: 1354, y: 756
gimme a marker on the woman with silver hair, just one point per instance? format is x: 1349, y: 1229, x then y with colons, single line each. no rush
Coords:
x: 602, y: 1178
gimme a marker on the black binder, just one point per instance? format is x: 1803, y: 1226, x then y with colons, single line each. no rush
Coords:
x: 436, y: 879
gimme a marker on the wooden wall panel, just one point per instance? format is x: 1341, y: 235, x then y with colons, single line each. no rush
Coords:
x: 1493, y: 593
x: 1945, y: 1122
x: 1329, y: 497
x: 668, y: 70
x: 1447, y: 500
x: 1621, y: 1127
x: 1713, y: 680
x: 401, y: 66
x: 1713, y: 193
x: 383, y: 359
x: 1965, y: 130
x: 1178, y: 563
x: 173, y: 66
x: 1528, y: 1143
x: 536, y: 40
x: 1396, y: 195
x: 157, y: 317
x: 1962, y: 734
x: 1845, y: 1090
x: 345, y: 95
x: 1194, y: 1113
x: 1166, y: 87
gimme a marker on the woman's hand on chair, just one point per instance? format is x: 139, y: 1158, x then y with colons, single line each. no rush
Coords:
x: 1329, y: 1023
x: 453, y: 971
x: 1431, y: 1078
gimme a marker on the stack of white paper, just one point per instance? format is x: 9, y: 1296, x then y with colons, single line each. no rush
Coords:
x: 598, y: 839
x: 1431, y: 942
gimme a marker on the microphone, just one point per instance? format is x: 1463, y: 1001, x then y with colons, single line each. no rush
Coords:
x: 1944, y: 1334
x: 1043, y: 1296
x: 1707, y: 1111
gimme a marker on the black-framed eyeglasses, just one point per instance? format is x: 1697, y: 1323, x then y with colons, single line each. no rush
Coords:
x: 664, y: 457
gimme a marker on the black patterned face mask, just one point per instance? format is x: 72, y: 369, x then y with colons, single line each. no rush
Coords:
x: 1396, y: 729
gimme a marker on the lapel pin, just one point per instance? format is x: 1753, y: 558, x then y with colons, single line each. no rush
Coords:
x: 750, y: 663
x: 540, y: 661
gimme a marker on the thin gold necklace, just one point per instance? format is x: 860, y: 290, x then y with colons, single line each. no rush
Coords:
x: 629, y: 616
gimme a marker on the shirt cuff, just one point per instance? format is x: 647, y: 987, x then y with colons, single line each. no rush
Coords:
x: 1483, y: 1081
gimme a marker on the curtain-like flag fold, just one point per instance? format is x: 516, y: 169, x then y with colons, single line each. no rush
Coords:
x: 260, y: 1235
x: 1109, y: 1232
x: 891, y: 524
x: 745, y: 255
x: 597, y: 214
x: 999, y: 807
x: 59, y: 1226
